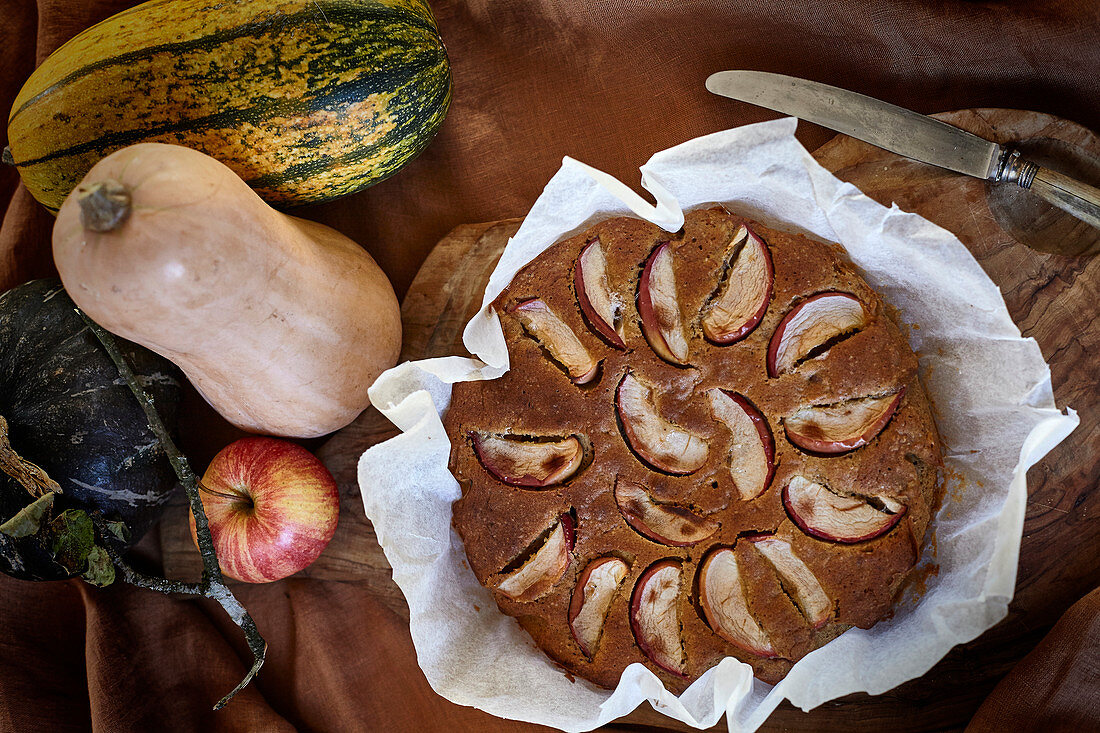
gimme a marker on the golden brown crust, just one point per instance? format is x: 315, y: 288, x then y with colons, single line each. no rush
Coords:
x: 499, y: 523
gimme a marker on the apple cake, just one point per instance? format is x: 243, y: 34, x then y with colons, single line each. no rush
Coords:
x: 709, y: 444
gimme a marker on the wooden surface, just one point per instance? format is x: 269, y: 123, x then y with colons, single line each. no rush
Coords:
x: 1054, y: 299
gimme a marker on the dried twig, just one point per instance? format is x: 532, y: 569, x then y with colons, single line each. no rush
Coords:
x: 212, y: 585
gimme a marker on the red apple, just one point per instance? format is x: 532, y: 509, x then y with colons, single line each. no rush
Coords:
x: 272, y: 508
x: 752, y: 452
x: 722, y: 596
x: 845, y: 426
x: 592, y: 597
x: 815, y: 322
x: 743, y: 295
x: 668, y: 524
x: 599, y: 307
x: 655, y: 616
x: 822, y: 513
x: 658, y: 442
x: 659, y: 307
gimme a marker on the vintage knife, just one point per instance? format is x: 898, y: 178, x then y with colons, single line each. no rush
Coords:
x: 907, y: 133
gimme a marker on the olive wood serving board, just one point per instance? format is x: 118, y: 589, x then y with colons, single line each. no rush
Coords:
x: 1054, y: 299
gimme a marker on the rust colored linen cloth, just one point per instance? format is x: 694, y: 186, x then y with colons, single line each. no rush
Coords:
x: 1057, y: 686
x: 609, y: 82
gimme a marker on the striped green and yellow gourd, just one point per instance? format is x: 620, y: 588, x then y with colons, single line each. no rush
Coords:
x: 306, y: 100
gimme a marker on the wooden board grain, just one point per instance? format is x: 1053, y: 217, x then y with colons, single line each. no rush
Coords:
x: 1054, y: 299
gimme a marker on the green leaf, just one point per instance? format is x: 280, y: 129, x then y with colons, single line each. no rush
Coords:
x: 119, y: 530
x: 28, y: 520
x: 100, y: 570
x: 74, y: 537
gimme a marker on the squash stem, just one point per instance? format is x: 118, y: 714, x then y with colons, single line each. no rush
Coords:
x: 30, y: 476
x: 212, y: 585
x: 104, y: 205
x: 7, y: 157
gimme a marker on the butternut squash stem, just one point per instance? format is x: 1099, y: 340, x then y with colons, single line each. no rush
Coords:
x: 104, y: 205
x: 212, y: 585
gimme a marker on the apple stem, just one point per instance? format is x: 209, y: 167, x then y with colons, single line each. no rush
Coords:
x: 223, y: 494
x: 212, y: 584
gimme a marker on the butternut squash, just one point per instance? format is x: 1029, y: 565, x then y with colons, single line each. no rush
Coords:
x: 280, y: 323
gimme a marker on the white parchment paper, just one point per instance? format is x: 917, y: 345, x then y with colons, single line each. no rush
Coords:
x: 994, y: 405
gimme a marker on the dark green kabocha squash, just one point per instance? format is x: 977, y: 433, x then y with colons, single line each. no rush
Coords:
x: 70, y: 413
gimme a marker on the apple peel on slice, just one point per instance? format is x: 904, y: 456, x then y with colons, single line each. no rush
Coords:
x: 796, y: 578
x: 742, y: 296
x: 668, y: 524
x: 600, y: 308
x: 815, y: 322
x: 752, y: 449
x: 545, y: 567
x: 658, y: 442
x: 826, y: 515
x: 596, y: 588
x: 722, y: 596
x: 655, y: 616
x: 845, y: 426
x: 557, y: 338
x: 659, y: 307
x: 528, y: 462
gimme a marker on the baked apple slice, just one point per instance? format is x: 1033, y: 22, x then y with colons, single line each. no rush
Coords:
x: 659, y: 443
x: 742, y: 296
x: 545, y: 567
x: 528, y: 462
x: 596, y: 588
x: 655, y: 616
x: 822, y: 513
x: 659, y: 307
x: 813, y: 325
x: 752, y: 450
x: 558, y: 339
x: 668, y: 524
x: 797, y: 580
x: 601, y: 309
x: 722, y: 596
x: 842, y: 427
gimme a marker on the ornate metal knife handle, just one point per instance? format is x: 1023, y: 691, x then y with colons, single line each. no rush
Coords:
x: 1015, y: 169
x: 1069, y: 195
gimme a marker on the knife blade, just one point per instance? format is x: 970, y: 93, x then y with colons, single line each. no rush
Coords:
x: 907, y: 133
